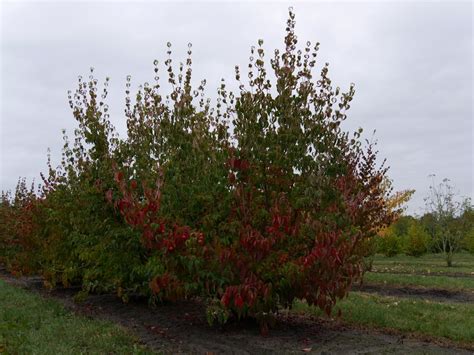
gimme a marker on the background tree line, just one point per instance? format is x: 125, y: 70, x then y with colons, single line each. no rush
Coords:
x: 447, y: 227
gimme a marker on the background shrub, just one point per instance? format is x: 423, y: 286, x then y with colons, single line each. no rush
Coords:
x: 416, y: 241
x: 469, y: 241
x: 389, y: 244
x: 19, y: 241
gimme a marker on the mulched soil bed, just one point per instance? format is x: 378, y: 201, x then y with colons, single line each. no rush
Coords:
x: 182, y: 328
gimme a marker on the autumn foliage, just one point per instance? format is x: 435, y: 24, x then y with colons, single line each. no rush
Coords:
x: 249, y: 204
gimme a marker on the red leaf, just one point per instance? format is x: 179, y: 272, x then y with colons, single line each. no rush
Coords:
x: 118, y: 176
x: 238, y: 301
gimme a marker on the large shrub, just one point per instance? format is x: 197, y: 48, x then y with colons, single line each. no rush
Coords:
x: 260, y: 202
x: 86, y: 243
x: 249, y: 205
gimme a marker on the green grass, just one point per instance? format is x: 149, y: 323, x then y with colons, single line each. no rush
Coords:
x: 30, y: 324
x: 443, y: 320
x: 433, y: 281
x: 429, y: 263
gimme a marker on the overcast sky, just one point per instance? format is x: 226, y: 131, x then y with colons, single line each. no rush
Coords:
x: 411, y: 62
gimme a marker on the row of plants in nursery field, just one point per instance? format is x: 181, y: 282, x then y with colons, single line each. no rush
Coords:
x: 437, y: 281
x: 430, y: 234
x: 249, y: 204
x: 446, y: 228
x: 425, y: 264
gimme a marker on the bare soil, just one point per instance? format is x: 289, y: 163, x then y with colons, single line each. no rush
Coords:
x: 182, y: 328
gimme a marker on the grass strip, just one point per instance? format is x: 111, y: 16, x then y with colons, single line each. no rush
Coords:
x: 435, y: 281
x: 30, y: 324
x: 440, y: 320
x: 430, y: 263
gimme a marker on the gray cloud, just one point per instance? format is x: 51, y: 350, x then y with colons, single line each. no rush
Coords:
x: 411, y: 62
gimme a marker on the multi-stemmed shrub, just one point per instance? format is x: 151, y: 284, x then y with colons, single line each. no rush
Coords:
x: 285, y: 198
x: 249, y: 205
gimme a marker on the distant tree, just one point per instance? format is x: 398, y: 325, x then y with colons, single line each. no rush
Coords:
x: 444, y: 207
x: 396, y: 203
x: 429, y: 225
x: 466, y: 224
x: 388, y: 241
x: 402, y: 225
x: 469, y: 240
x: 397, y: 200
x: 416, y: 239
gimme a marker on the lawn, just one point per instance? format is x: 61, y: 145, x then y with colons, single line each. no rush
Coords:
x: 463, y: 263
x: 444, y: 320
x: 431, y: 281
x: 31, y: 324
